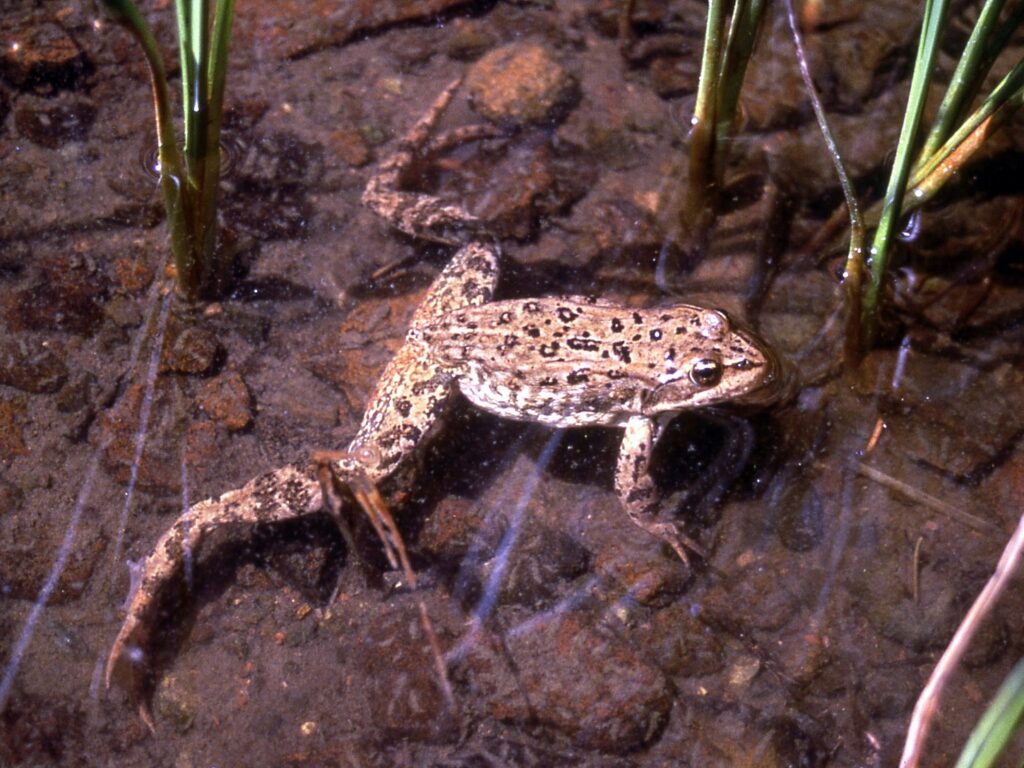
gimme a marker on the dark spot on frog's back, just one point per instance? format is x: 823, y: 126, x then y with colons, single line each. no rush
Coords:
x: 656, y: 334
x: 577, y: 377
x: 566, y: 315
x: 638, y: 318
x: 532, y: 331
x: 404, y: 407
x: 504, y: 318
x: 549, y: 350
x: 582, y: 345
x: 617, y: 325
x: 621, y: 351
x: 531, y: 306
x: 548, y: 381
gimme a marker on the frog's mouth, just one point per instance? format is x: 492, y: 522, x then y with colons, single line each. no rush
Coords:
x: 779, y: 380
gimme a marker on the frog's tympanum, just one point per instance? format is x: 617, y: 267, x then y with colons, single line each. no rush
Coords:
x: 569, y: 361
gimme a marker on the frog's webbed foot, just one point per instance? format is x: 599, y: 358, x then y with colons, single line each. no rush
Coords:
x: 283, y: 494
x: 416, y: 213
x: 637, y: 491
x: 335, y: 468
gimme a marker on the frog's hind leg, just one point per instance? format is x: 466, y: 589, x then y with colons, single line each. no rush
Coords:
x: 416, y: 213
x: 637, y: 491
x: 283, y: 494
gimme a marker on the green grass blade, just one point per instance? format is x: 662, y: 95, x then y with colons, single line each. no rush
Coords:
x: 743, y: 27
x: 216, y: 76
x: 183, y: 16
x: 995, y: 110
x: 172, y: 173
x: 931, y: 28
x: 702, y: 133
x: 998, y: 725
x: 970, y: 72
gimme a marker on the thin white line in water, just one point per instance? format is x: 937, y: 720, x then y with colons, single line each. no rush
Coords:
x: 29, y: 628
x: 18, y: 652
x: 144, y: 411
x: 486, y: 602
x: 901, y: 362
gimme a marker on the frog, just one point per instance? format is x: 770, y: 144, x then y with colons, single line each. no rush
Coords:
x: 562, y: 361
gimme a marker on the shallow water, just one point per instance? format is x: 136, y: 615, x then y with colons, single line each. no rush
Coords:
x: 847, y: 530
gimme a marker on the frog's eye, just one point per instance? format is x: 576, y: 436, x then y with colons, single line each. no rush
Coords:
x: 706, y: 372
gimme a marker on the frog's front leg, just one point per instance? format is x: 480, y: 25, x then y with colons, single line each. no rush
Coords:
x: 636, y: 488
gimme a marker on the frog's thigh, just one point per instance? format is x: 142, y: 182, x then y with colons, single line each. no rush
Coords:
x: 636, y: 488
x: 411, y: 394
x: 467, y: 281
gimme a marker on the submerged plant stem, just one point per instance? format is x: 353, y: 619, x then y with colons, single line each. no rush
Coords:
x: 928, y: 45
x: 853, y: 273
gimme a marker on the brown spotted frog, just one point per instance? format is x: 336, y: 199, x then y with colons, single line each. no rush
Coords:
x: 567, y: 361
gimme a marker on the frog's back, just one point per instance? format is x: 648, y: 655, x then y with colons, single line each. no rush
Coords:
x: 572, y: 361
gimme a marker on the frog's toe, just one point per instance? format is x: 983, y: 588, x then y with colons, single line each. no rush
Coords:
x: 129, y: 664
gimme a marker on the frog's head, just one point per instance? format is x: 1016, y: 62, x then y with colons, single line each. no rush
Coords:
x: 730, y: 365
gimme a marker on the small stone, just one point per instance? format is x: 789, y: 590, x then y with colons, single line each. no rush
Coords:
x: 11, y: 442
x: 617, y: 711
x: 175, y: 703
x: 65, y: 293
x: 52, y: 125
x: 133, y: 274
x: 469, y: 40
x: 226, y: 399
x: 350, y: 147
x: 519, y: 84
x: 32, y: 368
x: 675, y: 76
x: 193, y: 351
x: 123, y: 312
x: 44, y: 57
x: 78, y: 393
x: 405, y: 698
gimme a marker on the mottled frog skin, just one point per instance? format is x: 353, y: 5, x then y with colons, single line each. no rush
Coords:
x: 565, y: 362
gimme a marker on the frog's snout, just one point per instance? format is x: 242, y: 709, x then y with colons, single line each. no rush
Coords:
x: 779, y: 380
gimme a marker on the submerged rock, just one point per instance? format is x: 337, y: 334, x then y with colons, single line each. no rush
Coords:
x: 520, y: 83
x: 40, y: 55
x: 51, y: 125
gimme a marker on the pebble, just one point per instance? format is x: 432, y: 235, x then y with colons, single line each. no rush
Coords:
x: 226, y: 399
x: 519, y: 84
x: 50, y: 125
x: 30, y: 367
x: 45, y: 58
x: 579, y: 680
x: 191, y: 350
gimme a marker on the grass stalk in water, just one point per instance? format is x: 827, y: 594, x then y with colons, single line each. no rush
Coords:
x: 928, y: 45
x: 723, y: 67
x: 189, y: 179
x: 998, y: 725
x: 952, y: 139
